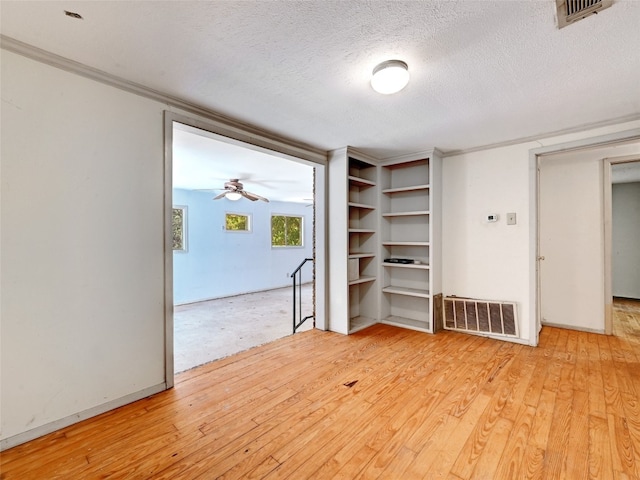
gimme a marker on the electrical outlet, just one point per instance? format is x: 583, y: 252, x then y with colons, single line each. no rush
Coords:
x: 511, y: 218
x: 492, y: 217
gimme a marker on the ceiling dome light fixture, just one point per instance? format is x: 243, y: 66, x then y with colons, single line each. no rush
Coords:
x: 390, y: 77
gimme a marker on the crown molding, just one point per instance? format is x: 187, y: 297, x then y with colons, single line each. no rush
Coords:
x: 540, y: 136
x: 293, y: 147
x: 303, y: 150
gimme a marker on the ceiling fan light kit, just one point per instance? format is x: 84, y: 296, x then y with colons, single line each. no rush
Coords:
x: 234, y: 190
x: 390, y: 77
x: 233, y: 196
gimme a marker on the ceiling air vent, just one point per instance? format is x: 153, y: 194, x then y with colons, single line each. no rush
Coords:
x: 570, y: 11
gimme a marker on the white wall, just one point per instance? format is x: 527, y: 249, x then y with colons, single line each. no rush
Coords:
x: 82, y: 245
x: 82, y: 266
x: 626, y: 240
x: 494, y: 261
x: 480, y: 259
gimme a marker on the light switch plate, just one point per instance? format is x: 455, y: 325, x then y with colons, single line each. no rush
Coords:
x: 511, y: 218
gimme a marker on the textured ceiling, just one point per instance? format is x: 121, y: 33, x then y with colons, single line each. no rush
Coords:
x: 482, y: 72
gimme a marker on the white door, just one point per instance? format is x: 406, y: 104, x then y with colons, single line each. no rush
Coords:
x: 571, y: 245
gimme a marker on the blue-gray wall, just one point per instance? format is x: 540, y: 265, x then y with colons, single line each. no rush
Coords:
x: 218, y: 263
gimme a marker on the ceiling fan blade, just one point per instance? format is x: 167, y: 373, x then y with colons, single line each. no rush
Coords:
x: 248, y: 195
x: 254, y: 196
x: 218, y: 197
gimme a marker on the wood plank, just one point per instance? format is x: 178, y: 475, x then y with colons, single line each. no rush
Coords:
x: 511, y: 460
x: 478, y: 439
x: 447, y: 405
x: 622, y: 452
x: 600, y: 463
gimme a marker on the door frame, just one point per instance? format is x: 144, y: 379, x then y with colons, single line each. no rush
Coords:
x: 258, y: 140
x: 607, y: 164
x: 535, y: 319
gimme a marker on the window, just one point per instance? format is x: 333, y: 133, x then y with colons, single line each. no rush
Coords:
x: 286, y: 231
x: 237, y: 222
x: 179, y: 228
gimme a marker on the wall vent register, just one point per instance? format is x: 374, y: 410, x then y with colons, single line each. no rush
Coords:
x: 480, y: 316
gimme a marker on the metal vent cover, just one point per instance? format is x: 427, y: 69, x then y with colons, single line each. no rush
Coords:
x: 570, y: 11
x: 480, y: 316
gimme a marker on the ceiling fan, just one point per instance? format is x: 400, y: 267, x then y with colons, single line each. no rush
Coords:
x: 234, y: 190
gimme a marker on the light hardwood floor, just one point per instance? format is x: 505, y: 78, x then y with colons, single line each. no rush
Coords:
x: 383, y: 403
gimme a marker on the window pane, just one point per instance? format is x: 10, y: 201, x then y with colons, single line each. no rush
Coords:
x: 294, y: 236
x: 237, y: 222
x: 278, y: 230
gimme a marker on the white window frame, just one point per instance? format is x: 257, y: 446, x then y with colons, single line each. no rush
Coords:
x: 294, y: 215
x: 240, y: 214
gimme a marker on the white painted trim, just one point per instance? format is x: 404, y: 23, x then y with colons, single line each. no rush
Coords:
x: 78, y: 417
x: 607, y: 163
x: 428, y: 153
x: 607, y: 207
x: 237, y: 136
x: 321, y: 253
x: 57, y: 61
x: 232, y: 128
x: 534, y: 138
x: 573, y: 327
x: 535, y: 322
x: 168, y: 251
x: 534, y: 278
x: 591, y: 142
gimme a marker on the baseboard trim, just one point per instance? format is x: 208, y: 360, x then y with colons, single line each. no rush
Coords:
x: 571, y: 327
x: 208, y: 299
x: 34, y: 433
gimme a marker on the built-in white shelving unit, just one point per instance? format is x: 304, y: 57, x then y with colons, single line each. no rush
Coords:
x: 353, y: 201
x: 382, y: 210
x: 410, y: 232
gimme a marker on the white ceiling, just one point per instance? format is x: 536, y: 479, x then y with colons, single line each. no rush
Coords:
x: 203, y: 162
x: 482, y: 72
x: 625, y: 172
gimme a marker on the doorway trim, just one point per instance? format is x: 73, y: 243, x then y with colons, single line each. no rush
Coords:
x: 258, y: 140
x: 535, y: 320
x: 607, y: 163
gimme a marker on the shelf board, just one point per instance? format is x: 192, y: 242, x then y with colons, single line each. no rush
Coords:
x: 362, y: 205
x: 362, y: 255
x: 412, y: 188
x: 419, y: 325
x: 410, y: 292
x: 392, y: 243
x: 421, y: 266
x: 361, y: 182
x: 406, y: 214
x: 407, y: 164
x: 361, y: 230
x: 363, y: 279
x: 359, y: 323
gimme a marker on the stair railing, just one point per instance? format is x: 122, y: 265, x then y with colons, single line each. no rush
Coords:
x: 297, y: 300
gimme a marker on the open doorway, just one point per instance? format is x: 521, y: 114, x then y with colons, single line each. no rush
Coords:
x: 622, y: 255
x: 243, y: 220
x: 572, y: 258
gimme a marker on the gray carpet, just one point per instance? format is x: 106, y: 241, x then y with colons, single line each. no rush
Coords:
x: 207, y: 331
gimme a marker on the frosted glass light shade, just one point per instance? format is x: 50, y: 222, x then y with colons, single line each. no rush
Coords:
x: 233, y: 196
x: 390, y: 77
